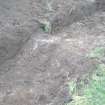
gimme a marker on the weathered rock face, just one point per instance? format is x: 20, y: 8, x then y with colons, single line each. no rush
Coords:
x: 15, y: 28
x: 59, y: 14
x: 35, y: 65
x: 12, y: 39
x: 100, y: 4
x: 70, y: 13
x: 75, y: 11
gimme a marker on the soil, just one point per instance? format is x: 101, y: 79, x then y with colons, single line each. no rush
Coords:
x: 35, y: 66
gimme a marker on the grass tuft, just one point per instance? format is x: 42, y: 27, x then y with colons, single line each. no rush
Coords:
x: 46, y: 26
x: 93, y: 93
x: 98, y: 52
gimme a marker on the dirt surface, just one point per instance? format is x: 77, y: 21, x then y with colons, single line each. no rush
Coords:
x: 35, y: 65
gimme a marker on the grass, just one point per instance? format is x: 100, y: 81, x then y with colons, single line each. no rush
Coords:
x: 46, y: 26
x: 92, y: 93
x: 98, y: 52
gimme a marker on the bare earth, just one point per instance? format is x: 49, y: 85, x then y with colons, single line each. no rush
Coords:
x: 35, y: 65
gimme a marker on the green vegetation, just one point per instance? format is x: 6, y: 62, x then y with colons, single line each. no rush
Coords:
x: 46, y: 26
x: 93, y: 92
x: 98, y: 52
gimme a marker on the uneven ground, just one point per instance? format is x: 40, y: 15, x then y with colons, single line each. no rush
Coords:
x: 35, y: 65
